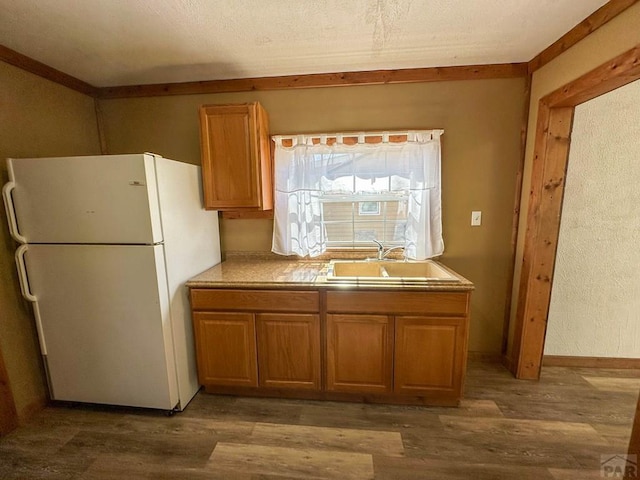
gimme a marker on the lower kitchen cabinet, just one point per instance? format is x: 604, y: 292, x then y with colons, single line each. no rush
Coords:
x: 388, y: 346
x: 428, y: 354
x: 288, y: 350
x: 226, y: 348
x: 253, y: 340
x: 359, y: 357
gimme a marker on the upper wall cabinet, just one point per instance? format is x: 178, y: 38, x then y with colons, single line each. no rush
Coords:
x: 236, y: 162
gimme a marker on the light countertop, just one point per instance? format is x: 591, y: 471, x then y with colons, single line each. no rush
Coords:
x: 270, y: 271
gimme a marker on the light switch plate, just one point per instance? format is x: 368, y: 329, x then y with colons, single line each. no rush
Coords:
x: 476, y: 218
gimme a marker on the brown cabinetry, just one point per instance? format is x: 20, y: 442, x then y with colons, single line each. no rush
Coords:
x: 236, y: 161
x: 429, y: 354
x: 250, y: 338
x: 289, y: 350
x: 379, y: 345
x: 403, y: 344
x: 226, y: 348
x: 359, y: 357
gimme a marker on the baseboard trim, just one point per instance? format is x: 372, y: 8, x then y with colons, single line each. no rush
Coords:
x: 589, y: 362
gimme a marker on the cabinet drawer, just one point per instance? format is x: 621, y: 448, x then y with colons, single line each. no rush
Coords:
x: 255, y: 300
x: 395, y: 303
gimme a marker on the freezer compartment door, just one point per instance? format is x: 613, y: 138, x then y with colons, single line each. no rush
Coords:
x: 105, y: 320
x: 109, y: 199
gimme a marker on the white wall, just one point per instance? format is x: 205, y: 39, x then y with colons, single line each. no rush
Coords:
x: 595, y: 301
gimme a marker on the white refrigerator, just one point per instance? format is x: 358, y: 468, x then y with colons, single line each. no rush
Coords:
x: 107, y: 243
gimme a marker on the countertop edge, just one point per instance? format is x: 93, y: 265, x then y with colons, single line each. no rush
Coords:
x: 235, y: 270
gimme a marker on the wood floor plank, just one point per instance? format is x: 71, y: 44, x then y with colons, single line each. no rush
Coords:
x: 219, y: 429
x: 370, y: 416
x: 23, y: 465
x: 485, y: 448
x: 613, y: 384
x: 616, y: 435
x: 145, y: 467
x: 85, y: 417
x: 293, y: 462
x: 32, y: 438
x: 523, y: 428
x: 470, y: 407
x: 246, y: 409
x: 140, y: 421
x: 479, y: 408
x: 181, y: 449
x: 590, y: 406
x: 567, y: 474
x: 323, y: 438
x: 607, y: 372
x: 352, y: 415
x: 389, y: 468
x: 558, y: 387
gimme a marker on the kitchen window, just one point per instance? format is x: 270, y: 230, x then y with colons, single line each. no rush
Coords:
x: 342, y: 191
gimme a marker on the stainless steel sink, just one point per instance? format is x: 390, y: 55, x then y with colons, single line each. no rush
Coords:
x: 387, y: 271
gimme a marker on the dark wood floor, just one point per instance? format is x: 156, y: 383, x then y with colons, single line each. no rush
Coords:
x: 558, y: 428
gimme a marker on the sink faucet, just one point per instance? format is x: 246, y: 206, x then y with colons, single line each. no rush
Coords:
x: 383, y: 252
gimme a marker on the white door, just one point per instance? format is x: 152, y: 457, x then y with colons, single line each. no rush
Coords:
x: 102, y: 199
x: 105, y: 323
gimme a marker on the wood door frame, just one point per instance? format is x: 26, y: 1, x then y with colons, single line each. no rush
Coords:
x: 551, y: 156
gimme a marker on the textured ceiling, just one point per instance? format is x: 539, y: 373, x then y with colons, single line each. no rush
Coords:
x: 127, y: 42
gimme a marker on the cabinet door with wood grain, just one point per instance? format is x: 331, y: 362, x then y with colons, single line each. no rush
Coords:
x: 226, y: 348
x: 429, y: 354
x: 359, y: 353
x: 288, y: 350
x: 236, y: 162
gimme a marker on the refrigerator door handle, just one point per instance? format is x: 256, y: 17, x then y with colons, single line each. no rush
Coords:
x: 11, y: 211
x: 26, y: 293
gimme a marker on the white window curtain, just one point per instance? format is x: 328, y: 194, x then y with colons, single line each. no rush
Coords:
x: 306, y: 171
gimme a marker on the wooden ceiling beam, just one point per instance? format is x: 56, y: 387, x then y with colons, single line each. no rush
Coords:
x: 45, y: 71
x: 373, y: 77
x: 607, y: 12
